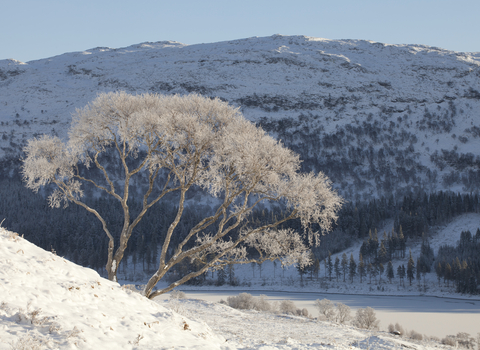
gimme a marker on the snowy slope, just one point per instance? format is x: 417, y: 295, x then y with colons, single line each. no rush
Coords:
x: 318, y: 86
x: 47, y: 302
x: 46, y: 298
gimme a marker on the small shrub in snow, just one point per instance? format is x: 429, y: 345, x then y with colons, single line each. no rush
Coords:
x: 326, y: 309
x: 262, y: 304
x: 243, y: 301
x: 136, y: 342
x: 177, y: 294
x: 246, y: 301
x: 464, y: 340
x: 31, y: 316
x: 28, y: 342
x: 449, y: 340
x: 177, y: 306
x: 304, y: 313
x: 415, y: 335
x: 287, y: 307
x: 366, y: 318
x: 343, y: 313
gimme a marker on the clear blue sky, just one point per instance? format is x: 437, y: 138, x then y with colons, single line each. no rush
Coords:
x: 34, y: 29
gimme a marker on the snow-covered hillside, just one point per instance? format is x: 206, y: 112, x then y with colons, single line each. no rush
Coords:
x: 371, y: 115
x: 47, y: 302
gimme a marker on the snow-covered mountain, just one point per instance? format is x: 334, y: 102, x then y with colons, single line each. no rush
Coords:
x: 375, y: 117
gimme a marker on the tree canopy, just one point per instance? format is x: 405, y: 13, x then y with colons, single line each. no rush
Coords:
x: 151, y: 147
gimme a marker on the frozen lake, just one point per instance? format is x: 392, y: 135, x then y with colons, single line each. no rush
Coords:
x: 426, y: 315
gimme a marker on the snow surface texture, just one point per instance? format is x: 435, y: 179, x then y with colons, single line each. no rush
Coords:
x: 49, y: 300
x: 49, y: 303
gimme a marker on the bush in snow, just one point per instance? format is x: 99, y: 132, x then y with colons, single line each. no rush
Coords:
x: 288, y: 307
x: 465, y: 340
x: 449, y: 340
x: 244, y: 301
x: 177, y: 294
x: 28, y: 342
x: 415, y: 335
x: 326, y: 309
x: 343, y: 313
x: 339, y: 312
x: 262, y: 304
x: 366, y: 318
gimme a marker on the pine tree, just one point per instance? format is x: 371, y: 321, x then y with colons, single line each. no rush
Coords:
x: 402, y: 242
x: 260, y: 268
x: 411, y: 268
x: 418, y: 271
x: 439, y: 271
x: 369, y: 271
x: 330, y: 266
x: 390, y: 274
x: 221, y: 277
x: 325, y: 265
x: 381, y: 270
x: 134, y: 262
x: 448, y: 273
x: 456, y: 268
x: 374, y: 272
x: 401, y: 273
x: 316, y: 268
x: 382, y: 254
x: 231, y: 275
x: 337, y: 268
x: 344, y: 265
x: 361, y: 267
x: 302, y: 270
x: 352, y: 269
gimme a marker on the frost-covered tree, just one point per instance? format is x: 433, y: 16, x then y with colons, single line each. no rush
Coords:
x: 343, y: 313
x: 167, y: 146
x: 326, y: 309
x: 366, y: 318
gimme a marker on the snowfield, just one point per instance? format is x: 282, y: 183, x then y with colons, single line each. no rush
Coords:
x: 47, y: 302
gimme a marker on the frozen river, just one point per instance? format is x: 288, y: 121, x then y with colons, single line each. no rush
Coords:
x: 426, y: 315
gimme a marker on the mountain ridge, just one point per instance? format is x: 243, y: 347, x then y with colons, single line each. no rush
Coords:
x: 324, y: 98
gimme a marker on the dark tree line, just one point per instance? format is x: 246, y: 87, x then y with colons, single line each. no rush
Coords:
x: 74, y: 233
x: 460, y: 264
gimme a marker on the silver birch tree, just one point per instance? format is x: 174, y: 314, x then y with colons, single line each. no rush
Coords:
x: 173, y: 144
